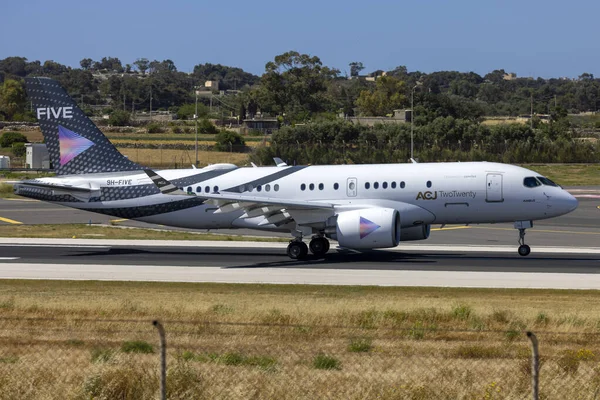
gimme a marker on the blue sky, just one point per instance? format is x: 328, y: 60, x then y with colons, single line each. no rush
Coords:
x: 530, y: 37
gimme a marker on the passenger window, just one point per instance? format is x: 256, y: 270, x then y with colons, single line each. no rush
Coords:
x: 216, y: 189
x: 199, y: 189
x: 276, y: 187
x: 547, y: 181
x: 268, y: 187
x: 258, y: 188
x: 367, y: 185
x: 311, y: 186
x: 384, y: 185
x: 190, y: 190
x: 376, y: 185
x: 393, y: 185
x: 402, y: 184
x: 206, y: 189
x: 336, y: 186
x: 303, y: 187
x: 531, y: 182
x: 428, y: 184
x: 321, y: 186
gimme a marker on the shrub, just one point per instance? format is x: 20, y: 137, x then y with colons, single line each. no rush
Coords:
x: 475, y: 351
x: 462, y: 311
x: 323, y: 361
x: 229, y: 141
x: 119, y: 118
x: 207, y: 127
x: 137, y: 346
x: 360, y: 345
x: 19, y: 149
x: 100, y: 355
x: 177, y: 129
x: 10, y: 138
x: 155, y: 128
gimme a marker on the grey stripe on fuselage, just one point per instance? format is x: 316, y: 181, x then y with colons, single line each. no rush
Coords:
x: 245, y: 187
x: 138, y: 191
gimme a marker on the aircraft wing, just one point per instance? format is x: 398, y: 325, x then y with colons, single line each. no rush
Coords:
x: 275, y: 211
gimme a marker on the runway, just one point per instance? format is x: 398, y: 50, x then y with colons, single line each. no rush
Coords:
x: 565, y: 255
x: 247, y: 262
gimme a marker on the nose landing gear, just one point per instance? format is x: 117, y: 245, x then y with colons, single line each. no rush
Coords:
x: 524, y: 249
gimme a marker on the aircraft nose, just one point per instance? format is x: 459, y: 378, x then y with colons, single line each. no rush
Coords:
x: 566, y: 202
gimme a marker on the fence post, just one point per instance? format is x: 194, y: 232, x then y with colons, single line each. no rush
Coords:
x: 535, y: 365
x: 163, y: 359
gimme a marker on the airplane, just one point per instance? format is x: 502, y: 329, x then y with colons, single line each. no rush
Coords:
x: 362, y: 207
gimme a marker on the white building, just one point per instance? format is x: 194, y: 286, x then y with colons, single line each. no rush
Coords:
x: 36, y: 156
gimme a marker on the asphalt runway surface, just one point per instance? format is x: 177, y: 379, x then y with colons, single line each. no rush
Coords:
x: 565, y: 254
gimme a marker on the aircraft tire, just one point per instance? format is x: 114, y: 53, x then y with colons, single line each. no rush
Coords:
x: 297, y: 250
x: 524, y: 250
x: 319, y: 246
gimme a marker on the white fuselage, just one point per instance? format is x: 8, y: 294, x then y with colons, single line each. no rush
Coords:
x: 440, y: 193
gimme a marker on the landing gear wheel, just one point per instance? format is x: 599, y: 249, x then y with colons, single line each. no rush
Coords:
x: 319, y: 246
x: 297, y: 250
x: 524, y: 250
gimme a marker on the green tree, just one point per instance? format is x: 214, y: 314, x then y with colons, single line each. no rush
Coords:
x: 19, y: 149
x: 9, y: 138
x: 296, y: 84
x: 119, y: 118
x: 207, y: 127
x: 355, y: 68
x: 86, y: 63
x: 12, y: 99
x: 229, y: 141
x: 142, y: 65
x: 387, y: 96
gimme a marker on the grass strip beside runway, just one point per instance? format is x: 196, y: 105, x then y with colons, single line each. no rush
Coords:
x: 292, y: 341
x: 85, y: 231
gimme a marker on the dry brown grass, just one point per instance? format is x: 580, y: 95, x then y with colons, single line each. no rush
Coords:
x: 262, y: 341
x: 164, y: 158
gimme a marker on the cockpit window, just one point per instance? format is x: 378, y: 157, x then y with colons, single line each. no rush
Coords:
x: 531, y: 182
x: 547, y: 181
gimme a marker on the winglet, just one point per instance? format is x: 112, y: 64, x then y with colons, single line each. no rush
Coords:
x: 164, y: 185
x: 279, y: 162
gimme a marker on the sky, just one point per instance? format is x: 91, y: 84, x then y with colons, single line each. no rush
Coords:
x: 529, y: 37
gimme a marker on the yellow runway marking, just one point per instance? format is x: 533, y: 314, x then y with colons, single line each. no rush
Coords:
x: 449, y: 228
x: 540, y: 230
x: 10, y: 221
x: 114, y: 221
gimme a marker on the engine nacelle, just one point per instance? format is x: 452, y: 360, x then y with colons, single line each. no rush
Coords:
x: 369, y: 228
x: 418, y: 232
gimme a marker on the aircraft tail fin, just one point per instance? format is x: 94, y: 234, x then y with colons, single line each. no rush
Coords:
x: 75, y: 144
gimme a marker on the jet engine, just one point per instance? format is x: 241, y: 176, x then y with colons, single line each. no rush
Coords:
x: 418, y: 232
x: 369, y: 228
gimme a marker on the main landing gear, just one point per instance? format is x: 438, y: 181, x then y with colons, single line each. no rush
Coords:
x: 298, y: 250
x: 524, y: 249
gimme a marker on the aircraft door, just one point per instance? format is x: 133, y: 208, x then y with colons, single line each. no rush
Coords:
x: 494, y: 188
x: 351, y: 187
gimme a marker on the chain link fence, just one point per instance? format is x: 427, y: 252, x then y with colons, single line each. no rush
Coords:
x: 121, y: 359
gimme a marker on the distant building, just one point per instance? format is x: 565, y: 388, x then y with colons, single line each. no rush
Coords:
x: 399, y: 117
x: 36, y: 156
x: 212, y: 85
x: 510, y: 76
x: 260, y: 123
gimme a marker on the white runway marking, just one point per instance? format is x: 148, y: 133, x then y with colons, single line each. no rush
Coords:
x: 9, y: 258
x: 300, y: 276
